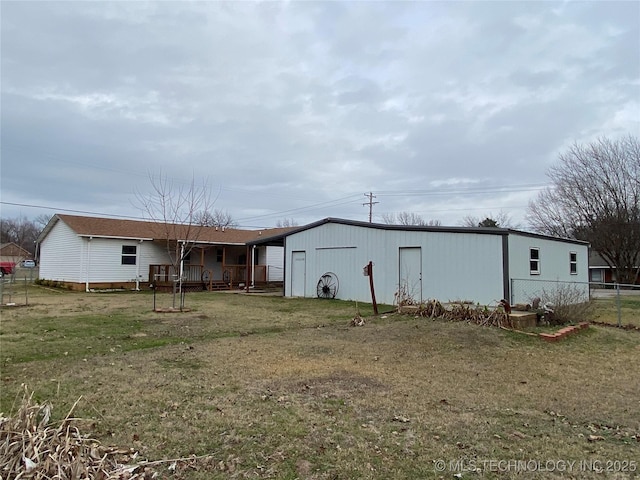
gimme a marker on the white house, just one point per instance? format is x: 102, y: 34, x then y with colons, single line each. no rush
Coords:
x: 91, y: 252
x: 482, y: 265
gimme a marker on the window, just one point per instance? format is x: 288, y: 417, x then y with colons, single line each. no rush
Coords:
x: 129, y: 254
x: 573, y: 263
x: 219, y: 254
x: 534, y: 261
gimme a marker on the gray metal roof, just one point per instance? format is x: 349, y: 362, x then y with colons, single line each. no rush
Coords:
x: 279, y: 239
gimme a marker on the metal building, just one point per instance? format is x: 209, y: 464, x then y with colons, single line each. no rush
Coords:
x: 480, y: 265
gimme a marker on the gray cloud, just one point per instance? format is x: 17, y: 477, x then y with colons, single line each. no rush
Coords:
x: 296, y: 109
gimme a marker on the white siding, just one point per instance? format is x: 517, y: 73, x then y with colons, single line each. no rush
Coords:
x: 151, y: 254
x: 65, y: 256
x: 61, y: 255
x: 554, y: 266
x: 104, y: 255
x: 274, y: 259
x: 455, y: 266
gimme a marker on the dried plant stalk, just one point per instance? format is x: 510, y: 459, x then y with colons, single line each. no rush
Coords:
x: 31, y: 448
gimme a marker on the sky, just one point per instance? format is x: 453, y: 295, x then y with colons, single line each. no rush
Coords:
x: 299, y: 110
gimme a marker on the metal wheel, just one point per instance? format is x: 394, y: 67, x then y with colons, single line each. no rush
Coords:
x: 206, y: 276
x: 327, y: 285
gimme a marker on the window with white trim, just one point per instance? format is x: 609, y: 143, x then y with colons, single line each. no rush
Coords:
x: 534, y: 261
x: 573, y: 263
x: 129, y: 254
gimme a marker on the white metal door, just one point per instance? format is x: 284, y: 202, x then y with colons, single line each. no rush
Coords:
x: 410, y: 279
x: 298, y: 273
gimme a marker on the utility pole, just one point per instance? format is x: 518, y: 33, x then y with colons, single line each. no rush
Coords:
x: 371, y: 203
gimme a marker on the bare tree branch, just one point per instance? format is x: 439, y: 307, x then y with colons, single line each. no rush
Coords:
x: 595, y: 196
x: 178, y: 211
x: 217, y: 218
x: 286, y: 222
x: 408, y: 218
x: 501, y: 220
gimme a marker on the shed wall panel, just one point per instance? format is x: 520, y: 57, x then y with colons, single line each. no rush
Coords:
x: 554, y: 267
x: 454, y: 265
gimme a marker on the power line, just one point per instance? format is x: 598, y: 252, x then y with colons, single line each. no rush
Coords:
x: 465, y: 191
x: 330, y: 203
x: 71, y: 210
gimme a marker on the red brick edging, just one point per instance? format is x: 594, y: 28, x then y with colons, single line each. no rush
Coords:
x: 563, y: 332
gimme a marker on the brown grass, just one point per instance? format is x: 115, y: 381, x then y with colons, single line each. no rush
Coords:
x: 281, y: 388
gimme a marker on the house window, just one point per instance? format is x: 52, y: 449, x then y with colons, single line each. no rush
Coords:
x: 573, y: 263
x: 534, y: 261
x: 129, y: 254
x: 219, y: 255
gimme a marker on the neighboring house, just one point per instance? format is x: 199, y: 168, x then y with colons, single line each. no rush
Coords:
x: 11, y: 252
x: 481, y: 265
x: 600, y: 271
x: 92, y: 253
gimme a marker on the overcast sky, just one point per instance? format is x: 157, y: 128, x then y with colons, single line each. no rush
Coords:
x: 297, y: 109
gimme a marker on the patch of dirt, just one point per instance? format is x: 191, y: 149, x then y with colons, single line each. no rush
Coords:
x: 339, y: 383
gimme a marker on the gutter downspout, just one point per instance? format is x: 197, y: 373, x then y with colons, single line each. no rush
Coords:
x: 86, y: 285
x: 138, y: 265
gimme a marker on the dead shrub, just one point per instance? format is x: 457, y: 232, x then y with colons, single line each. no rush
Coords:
x: 33, y: 448
x: 566, y: 303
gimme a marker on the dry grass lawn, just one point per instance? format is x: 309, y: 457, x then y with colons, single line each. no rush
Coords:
x: 267, y: 387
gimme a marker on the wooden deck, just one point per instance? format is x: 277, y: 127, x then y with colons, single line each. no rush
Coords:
x: 197, y: 278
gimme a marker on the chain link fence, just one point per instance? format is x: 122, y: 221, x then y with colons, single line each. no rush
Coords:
x: 531, y: 291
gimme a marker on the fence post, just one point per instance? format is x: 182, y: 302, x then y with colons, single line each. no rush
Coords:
x: 511, y: 293
x: 618, y: 305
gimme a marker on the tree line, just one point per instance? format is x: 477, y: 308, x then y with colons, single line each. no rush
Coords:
x: 22, y: 231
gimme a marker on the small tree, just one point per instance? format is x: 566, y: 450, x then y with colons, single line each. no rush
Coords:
x: 500, y: 220
x: 178, y: 211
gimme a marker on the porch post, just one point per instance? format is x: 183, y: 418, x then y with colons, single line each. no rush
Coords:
x: 248, y: 260
x: 253, y: 263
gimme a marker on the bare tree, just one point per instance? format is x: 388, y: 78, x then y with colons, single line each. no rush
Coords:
x: 595, y: 196
x: 21, y: 231
x: 499, y: 220
x: 177, y: 210
x: 217, y: 218
x: 286, y: 222
x: 408, y: 218
x: 42, y: 220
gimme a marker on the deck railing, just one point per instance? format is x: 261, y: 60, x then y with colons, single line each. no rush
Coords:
x: 232, y: 275
x: 168, y: 273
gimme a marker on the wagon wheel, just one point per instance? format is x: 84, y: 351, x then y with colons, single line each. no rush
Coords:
x: 327, y: 285
x: 206, y: 276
